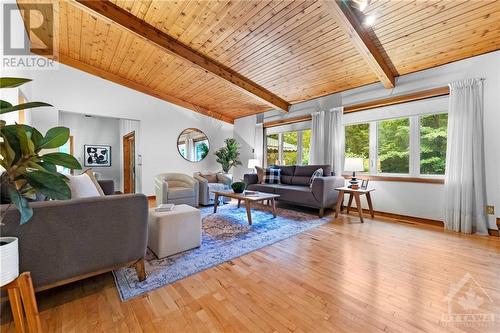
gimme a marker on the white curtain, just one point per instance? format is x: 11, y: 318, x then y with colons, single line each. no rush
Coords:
x: 327, y: 139
x: 465, y: 180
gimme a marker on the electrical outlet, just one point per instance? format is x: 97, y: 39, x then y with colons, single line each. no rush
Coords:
x: 490, y: 210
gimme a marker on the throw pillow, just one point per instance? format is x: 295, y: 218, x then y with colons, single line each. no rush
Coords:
x: 93, y: 178
x: 260, y: 174
x: 316, y: 174
x: 82, y: 186
x: 272, y: 176
x: 210, y: 177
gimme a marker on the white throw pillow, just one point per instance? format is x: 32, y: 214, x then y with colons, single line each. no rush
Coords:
x: 316, y: 174
x: 82, y: 186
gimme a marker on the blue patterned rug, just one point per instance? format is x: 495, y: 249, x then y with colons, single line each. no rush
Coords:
x: 226, y: 235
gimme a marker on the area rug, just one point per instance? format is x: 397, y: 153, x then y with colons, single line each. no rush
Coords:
x: 225, y: 236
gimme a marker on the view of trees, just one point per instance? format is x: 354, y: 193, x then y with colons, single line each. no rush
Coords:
x: 290, y: 147
x: 357, y: 143
x: 433, y: 136
x: 394, y: 146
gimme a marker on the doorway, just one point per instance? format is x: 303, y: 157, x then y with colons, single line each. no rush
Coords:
x: 129, y: 162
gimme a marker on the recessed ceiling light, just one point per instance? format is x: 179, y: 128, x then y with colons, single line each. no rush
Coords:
x: 369, y: 20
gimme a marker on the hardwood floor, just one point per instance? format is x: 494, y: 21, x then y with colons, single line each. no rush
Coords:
x: 379, y: 276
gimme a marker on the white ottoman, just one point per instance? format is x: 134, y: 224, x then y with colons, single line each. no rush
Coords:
x: 174, y: 231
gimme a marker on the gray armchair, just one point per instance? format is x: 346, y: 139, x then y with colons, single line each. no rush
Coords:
x: 176, y: 188
x: 208, y: 182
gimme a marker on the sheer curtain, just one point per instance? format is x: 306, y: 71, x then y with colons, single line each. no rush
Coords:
x: 327, y: 138
x: 465, y: 180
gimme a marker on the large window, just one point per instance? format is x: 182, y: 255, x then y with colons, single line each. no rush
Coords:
x: 393, y: 148
x: 288, y: 147
x: 412, y: 146
x: 357, y: 143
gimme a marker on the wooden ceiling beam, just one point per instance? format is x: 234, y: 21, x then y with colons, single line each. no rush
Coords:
x: 148, y: 32
x: 136, y: 86
x: 349, y: 23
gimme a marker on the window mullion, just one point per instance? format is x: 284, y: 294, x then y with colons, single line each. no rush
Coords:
x: 373, y: 147
x: 280, y: 148
x: 414, y: 146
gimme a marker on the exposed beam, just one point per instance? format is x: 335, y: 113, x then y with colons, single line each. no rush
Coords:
x: 136, y: 86
x: 144, y: 30
x: 349, y: 23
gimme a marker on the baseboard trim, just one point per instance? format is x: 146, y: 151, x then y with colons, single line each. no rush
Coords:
x: 413, y: 219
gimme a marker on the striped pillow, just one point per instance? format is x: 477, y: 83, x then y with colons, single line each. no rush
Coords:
x: 272, y: 176
x: 316, y: 174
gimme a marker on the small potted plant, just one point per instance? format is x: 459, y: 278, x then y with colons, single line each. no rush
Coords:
x: 238, y: 187
x: 26, y: 171
x: 228, y: 156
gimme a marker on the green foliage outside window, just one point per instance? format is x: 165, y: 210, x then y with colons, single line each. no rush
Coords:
x: 290, y: 144
x: 433, y: 134
x: 394, y: 146
x: 357, y: 143
x: 306, y: 146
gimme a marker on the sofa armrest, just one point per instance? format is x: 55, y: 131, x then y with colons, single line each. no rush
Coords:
x: 323, y: 189
x: 107, y: 186
x: 250, y: 178
x: 223, y: 179
x: 68, y: 238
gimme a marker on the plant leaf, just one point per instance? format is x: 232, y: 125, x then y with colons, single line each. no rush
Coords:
x: 54, y: 138
x: 48, y: 166
x: 26, y: 145
x: 49, y: 184
x: 29, y: 105
x: 4, y: 104
x: 7, y: 153
x: 22, y: 205
x: 62, y: 159
x: 12, y: 82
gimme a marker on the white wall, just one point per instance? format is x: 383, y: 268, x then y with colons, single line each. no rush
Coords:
x: 74, y: 91
x: 426, y: 200
x: 95, y: 131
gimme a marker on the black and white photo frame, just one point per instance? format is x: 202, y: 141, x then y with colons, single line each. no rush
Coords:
x: 97, y: 155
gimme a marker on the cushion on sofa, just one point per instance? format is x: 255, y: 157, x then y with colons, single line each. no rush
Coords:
x: 266, y: 188
x: 83, y: 186
x: 272, y: 176
x: 297, y: 194
x: 308, y: 170
x: 260, y: 174
x: 210, y: 177
x: 316, y: 174
x: 180, y: 192
x: 287, y: 172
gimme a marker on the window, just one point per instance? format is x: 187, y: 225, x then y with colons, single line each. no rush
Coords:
x: 288, y: 147
x: 272, y: 149
x: 393, y: 148
x: 201, y: 149
x: 306, y: 146
x: 433, y: 136
x: 413, y: 146
x: 357, y: 143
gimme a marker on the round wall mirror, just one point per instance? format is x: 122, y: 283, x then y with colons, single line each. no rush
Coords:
x: 193, y: 145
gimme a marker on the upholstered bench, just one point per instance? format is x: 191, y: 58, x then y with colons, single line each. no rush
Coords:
x: 174, y: 231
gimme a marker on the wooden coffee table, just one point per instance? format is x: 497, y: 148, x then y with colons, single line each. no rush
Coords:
x: 247, y: 199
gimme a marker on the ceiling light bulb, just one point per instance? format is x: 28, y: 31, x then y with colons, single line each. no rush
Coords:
x: 369, y: 20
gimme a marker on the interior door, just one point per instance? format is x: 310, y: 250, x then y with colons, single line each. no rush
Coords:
x: 129, y: 163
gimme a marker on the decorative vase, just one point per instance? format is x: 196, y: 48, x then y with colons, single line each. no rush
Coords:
x: 9, y: 260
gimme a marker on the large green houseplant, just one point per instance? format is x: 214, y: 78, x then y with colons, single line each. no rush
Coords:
x: 228, y: 156
x: 25, y: 170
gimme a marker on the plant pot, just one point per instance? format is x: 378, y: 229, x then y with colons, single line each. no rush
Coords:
x: 9, y: 260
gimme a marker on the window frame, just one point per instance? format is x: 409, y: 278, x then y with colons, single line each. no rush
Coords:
x: 300, y: 145
x: 414, y: 149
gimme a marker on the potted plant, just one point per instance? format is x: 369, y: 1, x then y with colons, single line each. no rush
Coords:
x: 238, y: 187
x: 228, y: 156
x: 26, y: 171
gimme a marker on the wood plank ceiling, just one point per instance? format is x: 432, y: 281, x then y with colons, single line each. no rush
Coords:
x: 294, y: 50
